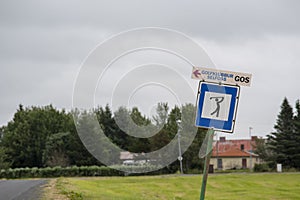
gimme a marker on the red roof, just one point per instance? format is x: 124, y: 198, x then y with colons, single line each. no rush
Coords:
x: 236, y: 144
x: 232, y: 153
x: 234, y: 148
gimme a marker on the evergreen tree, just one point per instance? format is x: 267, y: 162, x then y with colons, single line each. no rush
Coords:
x: 162, y: 114
x: 164, y: 135
x: 132, y: 123
x: 142, y: 125
x: 173, y: 118
x: 108, y: 124
x: 296, y: 156
x: 282, y: 142
x: 96, y: 142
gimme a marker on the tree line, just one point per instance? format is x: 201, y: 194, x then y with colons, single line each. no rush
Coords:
x: 47, y: 137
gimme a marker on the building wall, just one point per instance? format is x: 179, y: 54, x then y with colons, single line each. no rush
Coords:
x: 235, y: 162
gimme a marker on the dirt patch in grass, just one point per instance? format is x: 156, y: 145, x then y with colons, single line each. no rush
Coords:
x: 51, y: 192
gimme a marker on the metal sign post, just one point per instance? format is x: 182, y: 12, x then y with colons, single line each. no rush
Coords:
x: 210, y: 136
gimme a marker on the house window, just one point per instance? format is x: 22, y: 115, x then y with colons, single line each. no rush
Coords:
x: 220, y: 163
x: 242, y: 147
x: 222, y: 139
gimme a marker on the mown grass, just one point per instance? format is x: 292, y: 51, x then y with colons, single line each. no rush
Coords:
x: 223, y: 186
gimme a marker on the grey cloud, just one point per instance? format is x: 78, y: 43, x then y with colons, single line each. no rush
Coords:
x: 221, y: 19
x: 51, y: 45
x: 35, y: 84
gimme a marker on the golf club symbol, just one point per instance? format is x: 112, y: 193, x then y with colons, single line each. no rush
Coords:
x: 218, y: 101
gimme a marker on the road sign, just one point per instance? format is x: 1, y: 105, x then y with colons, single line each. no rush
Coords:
x: 221, y: 76
x: 216, y: 106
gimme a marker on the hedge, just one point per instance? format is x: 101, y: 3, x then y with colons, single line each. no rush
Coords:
x: 263, y: 167
x: 74, y: 171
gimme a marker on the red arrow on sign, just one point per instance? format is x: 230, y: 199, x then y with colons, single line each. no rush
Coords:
x: 196, y: 73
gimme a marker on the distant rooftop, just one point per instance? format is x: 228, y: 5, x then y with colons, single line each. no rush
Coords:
x: 234, y: 148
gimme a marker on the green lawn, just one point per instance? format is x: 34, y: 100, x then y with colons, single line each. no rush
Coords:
x: 221, y: 186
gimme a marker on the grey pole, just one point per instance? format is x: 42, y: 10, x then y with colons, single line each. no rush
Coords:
x: 179, y: 146
x: 250, y: 128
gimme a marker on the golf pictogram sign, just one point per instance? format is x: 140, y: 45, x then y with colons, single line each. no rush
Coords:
x: 216, y: 106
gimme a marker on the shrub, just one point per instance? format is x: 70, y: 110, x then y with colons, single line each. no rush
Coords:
x: 261, y: 167
x: 290, y: 170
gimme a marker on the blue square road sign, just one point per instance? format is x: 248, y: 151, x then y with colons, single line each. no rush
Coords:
x: 216, y: 106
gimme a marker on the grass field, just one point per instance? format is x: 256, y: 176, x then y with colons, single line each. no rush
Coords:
x: 221, y: 186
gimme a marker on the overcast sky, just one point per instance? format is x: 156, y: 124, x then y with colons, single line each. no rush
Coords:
x: 44, y: 43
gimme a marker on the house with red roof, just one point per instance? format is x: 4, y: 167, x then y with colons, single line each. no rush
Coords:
x: 234, y: 154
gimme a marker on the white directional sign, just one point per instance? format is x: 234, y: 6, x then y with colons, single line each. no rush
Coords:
x: 221, y: 76
x: 216, y: 106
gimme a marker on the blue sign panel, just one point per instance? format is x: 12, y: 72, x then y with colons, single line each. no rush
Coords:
x: 216, y: 106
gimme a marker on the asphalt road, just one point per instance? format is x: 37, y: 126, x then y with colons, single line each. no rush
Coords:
x: 21, y: 189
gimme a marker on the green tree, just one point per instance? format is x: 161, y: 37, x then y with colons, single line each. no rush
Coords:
x: 282, y: 142
x: 162, y: 111
x: 191, y: 158
x: 109, y: 126
x: 4, y: 164
x: 55, y: 151
x: 296, y: 155
x: 25, y: 136
x: 184, y: 117
x: 129, y: 123
x: 142, y: 126
x: 262, y: 150
x: 173, y: 118
x: 164, y: 135
x: 88, y: 136
x: 1, y: 133
x: 138, y: 118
